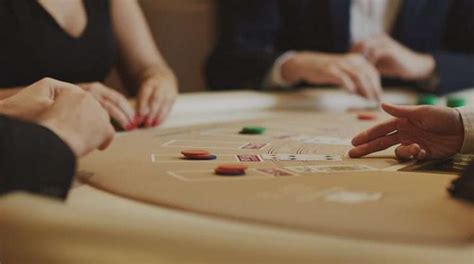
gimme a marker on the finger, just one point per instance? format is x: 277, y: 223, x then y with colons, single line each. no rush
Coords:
x: 167, y: 106
x: 422, y: 155
x: 407, y: 152
x: 339, y: 77
x: 144, y: 95
x: 375, y: 145
x: 375, y: 80
x: 377, y: 131
x: 108, y: 138
x: 360, y: 80
x: 121, y: 102
x: 156, y: 102
x: 403, y: 111
x: 116, y: 113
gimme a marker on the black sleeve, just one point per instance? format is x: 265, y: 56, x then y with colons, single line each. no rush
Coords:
x: 245, y: 49
x: 34, y: 159
x: 455, y: 63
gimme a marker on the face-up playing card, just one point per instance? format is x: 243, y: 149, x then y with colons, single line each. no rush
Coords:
x: 254, y: 146
x: 249, y: 158
x: 328, y: 141
x: 276, y: 172
x: 300, y: 157
x: 329, y: 168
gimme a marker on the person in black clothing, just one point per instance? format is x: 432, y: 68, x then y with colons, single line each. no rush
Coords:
x: 426, y: 44
x: 43, y: 128
x: 79, y: 41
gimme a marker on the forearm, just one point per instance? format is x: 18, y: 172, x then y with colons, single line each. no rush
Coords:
x: 34, y: 159
x: 7, y: 92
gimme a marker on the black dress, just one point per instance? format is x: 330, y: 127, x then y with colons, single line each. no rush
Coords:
x: 34, y: 46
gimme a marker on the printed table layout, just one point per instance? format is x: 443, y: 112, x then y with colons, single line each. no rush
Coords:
x: 298, y: 177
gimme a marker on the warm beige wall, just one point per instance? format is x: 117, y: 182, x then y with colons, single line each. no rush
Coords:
x: 184, y: 31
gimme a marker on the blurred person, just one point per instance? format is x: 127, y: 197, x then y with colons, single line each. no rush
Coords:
x: 360, y: 45
x: 43, y: 129
x: 79, y: 41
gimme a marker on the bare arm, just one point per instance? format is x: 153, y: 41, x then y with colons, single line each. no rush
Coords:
x: 10, y: 91
x: 140, y: 63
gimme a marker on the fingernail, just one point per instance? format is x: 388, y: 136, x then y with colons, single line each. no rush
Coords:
x: 130, y: 127
x: 156, y: 122
x: 148, y: 122
x: 138, y: 120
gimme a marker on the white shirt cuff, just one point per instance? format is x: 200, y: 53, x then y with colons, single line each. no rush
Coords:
x: 274, y: 77
x: 467, y: 116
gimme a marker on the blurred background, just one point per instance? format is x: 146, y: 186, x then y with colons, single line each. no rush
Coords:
x: 184, y: 31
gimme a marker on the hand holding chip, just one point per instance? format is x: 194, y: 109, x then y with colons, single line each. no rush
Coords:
x: 156, y: 96
x: 424, y: 132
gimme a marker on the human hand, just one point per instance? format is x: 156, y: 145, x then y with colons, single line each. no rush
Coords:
x: 31, y: 101
x: 351, y: 71
x: 157, y: 93
x: 77, y: 118
x: 392, y: 59
x: 114, y: 103
x: 64, y: 108
x: 424, y: 132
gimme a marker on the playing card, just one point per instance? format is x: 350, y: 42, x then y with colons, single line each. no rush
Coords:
x: 300, y: 157
x: 249, y: 158
x: 254, y: 146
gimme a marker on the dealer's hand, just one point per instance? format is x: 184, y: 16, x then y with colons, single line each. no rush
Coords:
x: 114, y: 102
x: 351, y: 71
x: 424, y: 132
x: 157, y: 93
x: 392, y: 59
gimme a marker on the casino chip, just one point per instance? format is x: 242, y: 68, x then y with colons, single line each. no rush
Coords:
x: 231, y: 170
x: 455, y: 101
x: 366, y: 116
x: 427, y: 99
x: 252, y: 130
x: 198, y: 154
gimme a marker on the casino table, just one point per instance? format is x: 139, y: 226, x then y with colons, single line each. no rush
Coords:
x: 141, y: 202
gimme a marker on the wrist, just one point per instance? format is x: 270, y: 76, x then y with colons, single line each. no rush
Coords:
x: 70, y: 139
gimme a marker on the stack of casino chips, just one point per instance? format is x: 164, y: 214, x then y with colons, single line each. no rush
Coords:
x: 461, y: 161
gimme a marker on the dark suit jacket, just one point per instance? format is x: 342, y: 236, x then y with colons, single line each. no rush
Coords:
x: 253, y: 34
x: 34, y: 159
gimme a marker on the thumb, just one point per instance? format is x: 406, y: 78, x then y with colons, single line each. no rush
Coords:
x: 402, y: 111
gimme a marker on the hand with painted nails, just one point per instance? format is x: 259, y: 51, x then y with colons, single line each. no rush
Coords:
x: 114, y: 103
x: 423, y: 132
x: 156, y: 96
x: 350, y: 71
